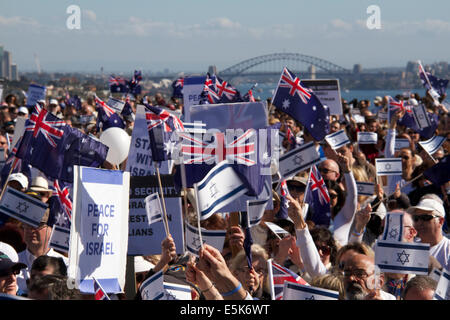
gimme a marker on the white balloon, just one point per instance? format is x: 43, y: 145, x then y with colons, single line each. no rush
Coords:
x: 118, y: 142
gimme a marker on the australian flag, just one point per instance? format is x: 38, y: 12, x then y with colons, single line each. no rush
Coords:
x: 118, y: 84
x: 60, y: 205
x: 248, y: 97
x: 17, y: 164
x: 177, y: 86
x: 226, y: 92
x: 209, y: 94
x: 107, y: 117
x: 74, y: 101
x: 300, y: 102
x: 439, y: 85
x: 133, y: 85
x: 99, y: 293
x: 318, y: 198
x: 284, y: 205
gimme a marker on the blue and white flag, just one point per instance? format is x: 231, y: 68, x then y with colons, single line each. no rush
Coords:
x: 220, y: 186
x: 294, y: 291
x: 153, y: 287
x: 299, y: 159
x: 116, y: 104
x: 393, y: 227
x: 174, y: 291
x: 60, y: 238
x: 153, y: 208
x: 337, y: 139
x: 255, y: 210
x: 401, y: 143
x: 215, y: 238
x: 421, y: 116
x: 367, y: 137
x: 402, y: 257
x: 442, y: 291
x: 276, y: 229
x: 432, y: 145
x: 195, y: 127
x: 365, y: 188
x: 35, y: 93
x: 22, y: 207
x: 435, y: 274
x: 388, y: 166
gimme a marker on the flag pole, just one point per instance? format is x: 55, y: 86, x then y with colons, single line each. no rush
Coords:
x: 10, y: 171
x: 166, y: 223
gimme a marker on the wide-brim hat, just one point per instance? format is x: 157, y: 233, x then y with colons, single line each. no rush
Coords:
x: 40, y: 184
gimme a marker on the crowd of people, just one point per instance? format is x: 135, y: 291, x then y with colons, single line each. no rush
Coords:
x: 339, y: 256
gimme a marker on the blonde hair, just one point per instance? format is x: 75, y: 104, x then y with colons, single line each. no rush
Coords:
x: 257, y: 251
x: 360, y: 175
x: 331, y: 282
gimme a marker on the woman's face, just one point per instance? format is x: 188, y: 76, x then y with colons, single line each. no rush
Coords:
x: 253, y: 279
x: 333, y: 197
x: 324, y: 251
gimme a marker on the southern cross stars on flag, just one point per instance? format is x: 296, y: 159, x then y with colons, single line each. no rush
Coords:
x: 300, y: 102
x: 117, y: 84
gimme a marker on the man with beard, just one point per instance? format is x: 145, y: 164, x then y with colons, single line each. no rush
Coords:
x: 361, y: 281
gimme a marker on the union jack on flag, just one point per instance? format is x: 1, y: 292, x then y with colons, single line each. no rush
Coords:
x: 99, y: 293
x: 240, y: 149
x: 101, y: 104
x: 156, y: 116
x: 395, y: 105
x: 225, y: 91
x: 39, y: 123
x: 116, y: 81
x: 288, y: 80
x: 209, y: 94
x: 318, y: 198
x: 278, y: 276
x: 63, y: 196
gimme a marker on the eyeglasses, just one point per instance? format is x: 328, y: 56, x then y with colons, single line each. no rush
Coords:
x: 325, y: 170
x: 423, y: 217
x: 325, y: 249
x: 405, y: 158
x: 358, y: 273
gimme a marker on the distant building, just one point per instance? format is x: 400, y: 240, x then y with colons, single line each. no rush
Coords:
x: 312, y: 71
x: 14, y: 72
x: 6, y: 63
x: 1, y: 62
x: 412, y: 66
x: 357, y: 68
x: 212, y: 70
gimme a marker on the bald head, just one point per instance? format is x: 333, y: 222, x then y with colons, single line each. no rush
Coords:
x: 329, y: 169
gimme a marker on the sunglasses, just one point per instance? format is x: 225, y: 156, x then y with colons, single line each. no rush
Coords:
x: 333, y: 195
x: 325, y: 170
x: 326, y: 250
x: 424, y: 217
x: 405, y: 157
x: 7, y: 273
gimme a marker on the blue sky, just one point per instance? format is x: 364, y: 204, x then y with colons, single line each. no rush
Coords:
x: 190, y: 35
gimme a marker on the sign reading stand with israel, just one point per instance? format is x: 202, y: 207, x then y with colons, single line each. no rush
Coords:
x: 99, y: 229
x: 388, y: 166
x: 402, y: 257
x: 22, y: 207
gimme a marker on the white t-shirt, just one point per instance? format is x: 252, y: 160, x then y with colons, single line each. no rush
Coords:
x: 441, y: 252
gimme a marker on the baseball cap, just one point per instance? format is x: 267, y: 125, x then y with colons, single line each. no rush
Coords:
x: 23, y: 110
x: 8, y: 250
x: 19, y: 177
x: 297, y: 182
x: 53, y: 101
x: 429, y: 205
x: 7, y: 265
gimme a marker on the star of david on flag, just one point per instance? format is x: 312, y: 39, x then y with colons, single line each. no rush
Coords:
x: 300, y: 102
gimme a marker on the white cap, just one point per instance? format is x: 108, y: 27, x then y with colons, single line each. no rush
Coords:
x: 142, y: 265
x: 19, y: 177
x: 23, y: 110
x: 430, y: 205
x: 9, y: 251
x: 413, y: 102
x: 53, y: 101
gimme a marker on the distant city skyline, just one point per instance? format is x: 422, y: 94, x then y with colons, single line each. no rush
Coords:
x: 191, y: 35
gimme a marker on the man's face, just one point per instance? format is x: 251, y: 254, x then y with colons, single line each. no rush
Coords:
x: 329, y: 170
x: 407, y: 158
x: 358, y: 277
x: 373, y: 126
x: 427, y: 224
x: 35, y: 236
x: 8, y: 283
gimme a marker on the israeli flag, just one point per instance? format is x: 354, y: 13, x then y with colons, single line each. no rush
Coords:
x: 442, y: 291
x: 116, y: 104
x: 276, y: 229
x: 153, y: 287
x: 365, y: 188
x: 255, y: 210
x: 402, y: 257
x: 421, y: 116
x: 195, y: 127
x: 435, y: 274
x: 388, y: 166
x: 299, y: 159
x: 22, y: 207
x: 432, y: 145
x: 153, y: 208
x: 215, y: 238
x: 220, y: 187
x: 393, y: 228
x: 401, y: 143
x: 367, y: 137
x: 295, y: 291
x: 175, y: 291
x: 60, y: 238
x: 337, y: 139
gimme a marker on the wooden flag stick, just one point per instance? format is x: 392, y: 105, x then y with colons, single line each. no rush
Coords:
x: 198, y: 216
x: 166, y: 222
x: 9, y: 173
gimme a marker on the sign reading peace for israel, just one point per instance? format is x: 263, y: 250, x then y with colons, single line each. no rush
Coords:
x: 295, y: 291
x: 99, y: 229
x: 35, y: 93
x: 298, y: 159
x: 139, y: 161
x: 60, y: 238
x: 367, y: 137
x: 22, y: 207
x: 337, y: 139
x: 215, y: 238
x: 144, y: 238
x: 192, y: 89
x: 328, y: 92
x: 402, y: 257
x: 388, y: 166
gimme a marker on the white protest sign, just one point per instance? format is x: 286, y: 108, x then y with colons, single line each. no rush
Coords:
x: 388, y: 166
x: 192, y: 89
x: 367, y: 137
x: 401, y: 143
x: 139, y: 161
x: 174, y: 291
x: 215, y: 238
x: 402, y: 257
x: 60, y: 238
x: 295, y: 291
x: 99, y: 229
x: 35, y: 93
x: 22, y: 207
x: 337, y: 139
x: 327, y: 91
x: 153, y: 287
x: 145, y: 238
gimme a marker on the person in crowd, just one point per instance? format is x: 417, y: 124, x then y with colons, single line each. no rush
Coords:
x: 420, y: 288
x: 8, y: 274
